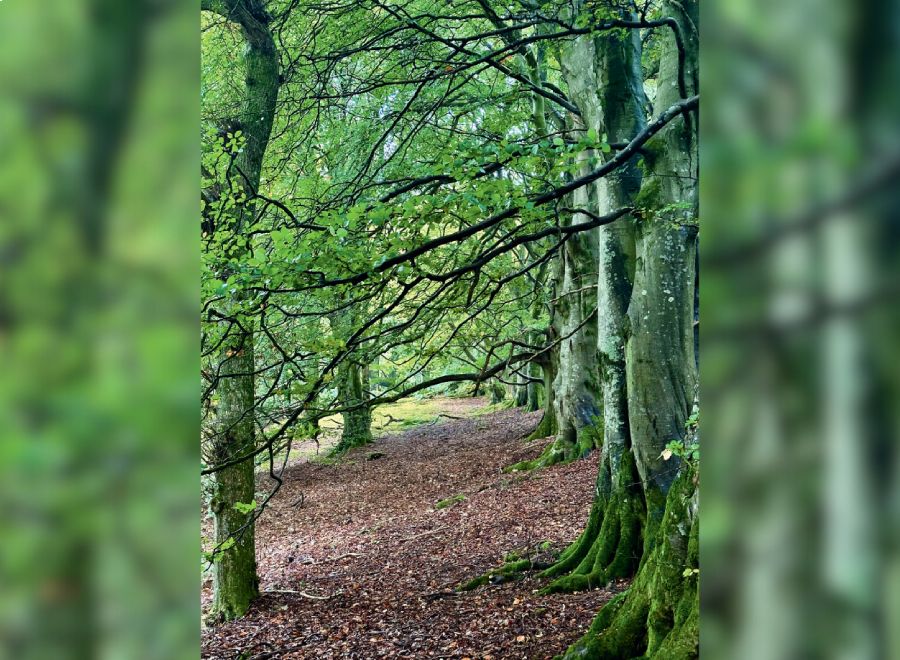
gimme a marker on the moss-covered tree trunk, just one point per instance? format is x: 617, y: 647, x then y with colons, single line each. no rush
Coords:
x: 535, y: 382
x: 498, y: 392
x: 353, y: 386
x: 658, y: 617
x: 577, y: 396
x: 547, y: 426
x: 521, y: 387
x: 572, y: 407
x: 605, y: 79
x: 235, y: 583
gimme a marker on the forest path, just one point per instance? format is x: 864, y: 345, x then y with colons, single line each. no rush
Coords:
x: 367, y: 537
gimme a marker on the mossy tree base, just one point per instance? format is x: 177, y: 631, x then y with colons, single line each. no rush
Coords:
x: 353, y: 383
x: 560, y: 451
x: 349, y: 442
x: 546, y: 427
x: 611, y: 545
x: 658, y: 617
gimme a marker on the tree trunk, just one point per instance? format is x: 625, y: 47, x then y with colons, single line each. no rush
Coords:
x: 353, y: 385
x: 605, y: 80
x: 235, y: 583
x: 498, y: 392
x: 521, y: 389
x: 577, y: 393
x: 658, y: 617
x: 547, y: 426
x: 533, y: 389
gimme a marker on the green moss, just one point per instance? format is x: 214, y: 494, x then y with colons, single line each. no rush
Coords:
x: 648, y: 199
x: 611, y: 545
x: 546, y: 427
x: 510, y: 571
x: 658, y: 617
x: 572, y: 556
x: 614, y: 551
x: 450, y: 501
x: 561, y: 450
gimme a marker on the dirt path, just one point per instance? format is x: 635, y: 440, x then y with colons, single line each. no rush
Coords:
x: 368, y: 536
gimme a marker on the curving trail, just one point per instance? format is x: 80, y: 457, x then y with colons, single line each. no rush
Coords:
x: 368, y: 538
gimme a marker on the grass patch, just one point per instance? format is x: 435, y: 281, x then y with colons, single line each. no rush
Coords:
x: 450, y: 501
x: 386, y: 419
x: 507, y: 404
x: 398, y: 416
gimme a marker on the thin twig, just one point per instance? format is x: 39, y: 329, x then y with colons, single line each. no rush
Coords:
x: 331, y: 559
x: 303, y: 593
x: 418, y: 536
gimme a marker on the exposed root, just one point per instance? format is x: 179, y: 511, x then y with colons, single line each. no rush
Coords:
x: 658, y: 617
x: 303, y: 594
x: 612, y: 543
x: 614, y: 553
x: 560, y: 451
x: 514, y: 568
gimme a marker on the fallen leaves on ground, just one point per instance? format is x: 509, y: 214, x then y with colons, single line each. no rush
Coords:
x: 369, y: 540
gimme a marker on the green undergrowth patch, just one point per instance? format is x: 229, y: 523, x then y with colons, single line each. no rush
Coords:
x: 450, y: 501
x: 506, y: 404
x: 399, y: 415
x: 326, y: 458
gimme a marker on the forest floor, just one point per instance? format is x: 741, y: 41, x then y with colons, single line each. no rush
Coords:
x: 377, y: 562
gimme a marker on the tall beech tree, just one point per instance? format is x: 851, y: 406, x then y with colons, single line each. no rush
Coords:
x: 230, y: 214
x: 645, y: 512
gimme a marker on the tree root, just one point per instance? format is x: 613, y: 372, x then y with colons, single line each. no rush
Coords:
x: 658, y: 617
x: 510, y: 571
x: 606, y: 551
x: 559, y: 452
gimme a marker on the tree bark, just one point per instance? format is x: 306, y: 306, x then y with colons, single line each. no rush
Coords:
x: 658, y: 617
x: 605, y: 81
x: 353, y: 385
x: 577, y: 392
x: 235, y: 583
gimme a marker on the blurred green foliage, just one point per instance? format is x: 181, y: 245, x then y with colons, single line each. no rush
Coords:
x: 98, y: 295
x: 799, y: 262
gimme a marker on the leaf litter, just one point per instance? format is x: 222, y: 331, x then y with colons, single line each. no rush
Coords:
x: 365, y: 566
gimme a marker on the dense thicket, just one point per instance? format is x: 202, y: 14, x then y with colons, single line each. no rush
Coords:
x: 419, y: 195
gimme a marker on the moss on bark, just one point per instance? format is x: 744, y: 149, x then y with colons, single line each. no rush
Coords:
x: 658, y: 617
x: 612, y: 543
x: 564, y: 449
x: 352, y: 385
x: 235, y: 583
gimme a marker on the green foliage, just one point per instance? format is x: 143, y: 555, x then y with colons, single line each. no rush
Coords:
x: 688, y: 448
x: 244, y: 507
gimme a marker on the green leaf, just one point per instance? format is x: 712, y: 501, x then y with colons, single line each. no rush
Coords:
x: 243, y: 507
